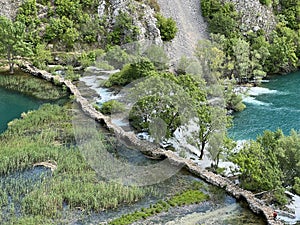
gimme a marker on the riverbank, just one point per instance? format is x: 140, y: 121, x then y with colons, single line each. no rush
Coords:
x: 257, y: 206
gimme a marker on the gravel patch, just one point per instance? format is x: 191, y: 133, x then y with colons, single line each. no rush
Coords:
x: 190, y: 23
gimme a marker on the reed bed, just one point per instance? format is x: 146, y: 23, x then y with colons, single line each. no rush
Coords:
x: 47, y: 134
x: 32, y: 86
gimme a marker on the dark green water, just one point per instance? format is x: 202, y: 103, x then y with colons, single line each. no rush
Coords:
x: 275, y: 104
x: 12, y: 104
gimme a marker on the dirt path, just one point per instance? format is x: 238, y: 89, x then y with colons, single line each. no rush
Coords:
x: 190, y: 23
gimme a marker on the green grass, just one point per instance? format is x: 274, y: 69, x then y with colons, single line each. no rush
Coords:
x: 184, y: 198
x: 32, y: 86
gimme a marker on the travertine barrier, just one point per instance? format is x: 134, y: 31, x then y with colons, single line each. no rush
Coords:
x: 51, y: 165
x: 256, y: 205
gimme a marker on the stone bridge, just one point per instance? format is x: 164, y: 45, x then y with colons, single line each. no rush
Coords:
x: 255, y: 204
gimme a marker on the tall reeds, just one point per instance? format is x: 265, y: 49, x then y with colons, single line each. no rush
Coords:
x: 46, y: 134
x: 30, y: 85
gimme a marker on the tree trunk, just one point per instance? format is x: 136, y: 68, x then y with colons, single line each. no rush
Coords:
x: 10, y: 62
x: 11, y: 68
x: 202, y: 149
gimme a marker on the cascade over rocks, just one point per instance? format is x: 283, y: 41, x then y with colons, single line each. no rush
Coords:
x: 255, y: 204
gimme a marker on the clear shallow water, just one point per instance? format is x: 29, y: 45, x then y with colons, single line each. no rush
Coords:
x: 12, y: 104
x: 276, y: 104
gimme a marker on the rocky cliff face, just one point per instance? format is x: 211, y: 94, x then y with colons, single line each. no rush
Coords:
x: 8, y: 8
x: 142, y: 14
x: 254, y: 15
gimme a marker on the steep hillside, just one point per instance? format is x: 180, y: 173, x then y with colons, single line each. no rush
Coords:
x: 142, y: 17
x: 254, y: 15
x: 191, y: 25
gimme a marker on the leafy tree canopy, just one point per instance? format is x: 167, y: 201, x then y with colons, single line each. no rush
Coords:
x: 13, y: 41
x: 271, y: 163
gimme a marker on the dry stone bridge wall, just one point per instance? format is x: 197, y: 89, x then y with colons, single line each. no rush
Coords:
x: 256, y: 205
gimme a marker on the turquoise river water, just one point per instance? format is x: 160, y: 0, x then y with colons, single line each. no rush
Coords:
x: 12, y: 104
x: 275, y: 104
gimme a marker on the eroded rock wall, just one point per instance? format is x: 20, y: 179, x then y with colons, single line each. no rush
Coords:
x: 142, y: 14
x: 254, y: 15
x: 9, y: 8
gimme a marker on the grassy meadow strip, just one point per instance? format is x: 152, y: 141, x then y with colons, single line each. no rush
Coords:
x: 32, y: 86
x: 187, y: 197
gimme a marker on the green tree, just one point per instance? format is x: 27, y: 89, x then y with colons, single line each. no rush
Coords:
x: 271, y: 163
x: 289, y: 160
x: 41, y: 55
x: 167, y: 27
x: 157, y: 56
x: 241, y: 52
x: 282, y: 50
x: 12, y: 41
x: 211, y: 123
x: 168, y: 99
x: 258, y: 173
x: 143, y: 67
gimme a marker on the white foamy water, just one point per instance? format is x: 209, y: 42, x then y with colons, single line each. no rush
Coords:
x: 93, y: 82
x: 294, y: 206
x: 252, y: 100
x: 255, y: 91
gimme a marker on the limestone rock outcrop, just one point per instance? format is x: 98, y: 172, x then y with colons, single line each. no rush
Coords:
x: 9, y: 8
x: 142, y: 15
x: 254, y: 15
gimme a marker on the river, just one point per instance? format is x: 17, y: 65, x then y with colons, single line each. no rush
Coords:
x: 275, y: 104
x: 12, y: 104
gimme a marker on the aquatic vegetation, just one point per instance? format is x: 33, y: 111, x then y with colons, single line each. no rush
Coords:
x: 42, y: 135
x: 30, y: 85
x: 192, y: 196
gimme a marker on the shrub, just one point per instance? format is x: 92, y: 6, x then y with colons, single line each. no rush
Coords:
x: 131, y: 72
x: 70, y: 75
x: 266, y: 2
x: 112, y: 106
x: 167, y: 27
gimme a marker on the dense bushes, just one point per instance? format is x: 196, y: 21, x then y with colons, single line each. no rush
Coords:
x: 222, y: 18
x: 254, y: 54
x: 64, y: 23
x: 167, y: 27
x: 271, y: 163
x: 130, y: 72
x: 112, y: 106
x: 123, y: 30
x: 266, y: 2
